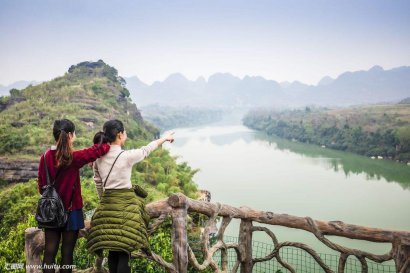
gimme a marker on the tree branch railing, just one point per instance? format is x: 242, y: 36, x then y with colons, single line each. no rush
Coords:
x: 178, y: 206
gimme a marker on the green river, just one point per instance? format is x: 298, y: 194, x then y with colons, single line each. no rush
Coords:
x: 243, y: 167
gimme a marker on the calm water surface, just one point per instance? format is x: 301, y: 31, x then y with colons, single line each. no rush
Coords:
x: 242, y: 167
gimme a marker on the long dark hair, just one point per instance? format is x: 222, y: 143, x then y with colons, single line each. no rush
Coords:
x: 110, y: 130
x: 61, y: 129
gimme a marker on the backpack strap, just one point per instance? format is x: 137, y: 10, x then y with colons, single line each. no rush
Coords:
x: 111, y: 168
x: 47, y: 172
x: 48, y: 180
x: 46, y: 168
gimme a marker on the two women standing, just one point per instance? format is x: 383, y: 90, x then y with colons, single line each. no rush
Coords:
x: 64, y: 164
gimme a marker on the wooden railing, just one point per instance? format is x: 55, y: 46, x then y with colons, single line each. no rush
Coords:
x: 178, y: 206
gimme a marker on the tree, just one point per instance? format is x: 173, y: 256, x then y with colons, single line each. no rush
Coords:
x: 403, y: 136
x: 15, y: 93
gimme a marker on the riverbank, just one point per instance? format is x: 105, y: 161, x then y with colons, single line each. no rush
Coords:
x: 375, y: 131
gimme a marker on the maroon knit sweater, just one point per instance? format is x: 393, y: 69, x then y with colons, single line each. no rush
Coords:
x: 70, y: 175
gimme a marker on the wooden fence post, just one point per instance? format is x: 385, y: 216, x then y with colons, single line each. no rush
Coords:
x: 179, y: 237
x: 34, y: 246
x: 245, y: 243
x: 401, y: 256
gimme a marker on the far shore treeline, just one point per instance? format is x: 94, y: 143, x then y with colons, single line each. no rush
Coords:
x: 377, y: 131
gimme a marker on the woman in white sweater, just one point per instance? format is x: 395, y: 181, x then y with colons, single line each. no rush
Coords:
x: 120, y: 222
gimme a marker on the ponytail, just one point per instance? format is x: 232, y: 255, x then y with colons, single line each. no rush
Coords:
x: 64, y: 154
x: 100, y: 138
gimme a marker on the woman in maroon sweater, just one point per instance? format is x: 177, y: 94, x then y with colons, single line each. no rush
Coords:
x: 64, y: 166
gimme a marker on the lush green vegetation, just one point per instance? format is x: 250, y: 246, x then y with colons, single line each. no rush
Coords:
x: 377, y: 130
x: 17, y: 209
x: 166, y: 117
x: 89, y: 94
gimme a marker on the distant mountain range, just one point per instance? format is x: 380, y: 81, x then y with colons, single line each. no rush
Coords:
x: 225, y: 90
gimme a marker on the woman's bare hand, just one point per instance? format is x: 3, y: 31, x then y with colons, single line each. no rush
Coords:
x: 170, y: 137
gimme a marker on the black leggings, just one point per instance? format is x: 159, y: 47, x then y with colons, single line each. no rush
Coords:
x: 118, y: 262
x: 52, y: 242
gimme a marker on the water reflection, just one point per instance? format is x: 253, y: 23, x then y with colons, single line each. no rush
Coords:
x: 338, y: 161
x: 347, y: 162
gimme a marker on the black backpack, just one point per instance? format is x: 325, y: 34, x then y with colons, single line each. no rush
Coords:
x: 50, y: 208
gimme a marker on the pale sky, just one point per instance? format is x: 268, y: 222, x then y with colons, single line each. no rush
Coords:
x: 281, y: 40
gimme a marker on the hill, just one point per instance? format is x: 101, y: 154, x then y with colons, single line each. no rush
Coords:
x: 89, y: 94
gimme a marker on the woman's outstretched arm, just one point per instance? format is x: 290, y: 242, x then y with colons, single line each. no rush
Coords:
x: 84, y: 156
x: 136, y: 155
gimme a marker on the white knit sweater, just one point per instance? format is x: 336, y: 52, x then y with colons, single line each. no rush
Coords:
x: 120, y: 177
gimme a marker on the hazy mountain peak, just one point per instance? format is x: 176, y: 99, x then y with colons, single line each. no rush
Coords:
x: 252, y: 77
x: 296, y: 86
x: 325, y: 80
x: 176, y: 77
x: 135, y: 77
x: 222, y: 77
x: 376, y: 68
x: 200, y: 79
x: 135, y: 82
x: 297, y: 83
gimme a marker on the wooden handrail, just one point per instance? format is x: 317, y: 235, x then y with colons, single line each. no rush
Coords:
x: 178, y: 205
x: 336, y: 228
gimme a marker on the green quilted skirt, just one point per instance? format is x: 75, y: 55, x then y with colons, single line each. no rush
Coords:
x: 119, y: 223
